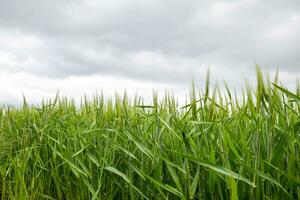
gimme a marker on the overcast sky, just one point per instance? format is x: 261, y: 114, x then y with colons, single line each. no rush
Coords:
x: 84, y: 46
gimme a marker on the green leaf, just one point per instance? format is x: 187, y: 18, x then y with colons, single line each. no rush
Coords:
x: 216, y: 168
x: 125, y: 177
x: 288, y: 93
x: 164, y: 186
x: 119, y: 173
x: 76, y: 170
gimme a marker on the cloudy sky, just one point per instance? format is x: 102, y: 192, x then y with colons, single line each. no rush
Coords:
x: 84, y: 46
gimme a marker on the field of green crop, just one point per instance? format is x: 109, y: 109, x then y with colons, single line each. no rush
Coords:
x: 217, y: 146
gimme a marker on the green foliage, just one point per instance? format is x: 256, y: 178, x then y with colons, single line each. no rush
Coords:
x: 214, y: 147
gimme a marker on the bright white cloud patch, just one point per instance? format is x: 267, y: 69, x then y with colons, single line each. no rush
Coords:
x: 221, y: 9
x: 35, y: 88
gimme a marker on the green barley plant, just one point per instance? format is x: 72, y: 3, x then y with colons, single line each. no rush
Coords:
x: 217, y: 146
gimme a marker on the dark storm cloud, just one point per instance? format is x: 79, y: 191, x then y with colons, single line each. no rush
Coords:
x: 158, y: 40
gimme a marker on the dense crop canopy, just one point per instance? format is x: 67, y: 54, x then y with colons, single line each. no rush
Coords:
x: 216, y: 147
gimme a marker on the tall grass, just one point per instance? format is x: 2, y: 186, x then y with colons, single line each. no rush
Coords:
x: 215, y: 147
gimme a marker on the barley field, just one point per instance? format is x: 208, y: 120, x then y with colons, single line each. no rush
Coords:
x: 219, y: 145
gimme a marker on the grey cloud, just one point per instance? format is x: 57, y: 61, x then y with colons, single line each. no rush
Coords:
x: 82, y: 37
